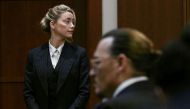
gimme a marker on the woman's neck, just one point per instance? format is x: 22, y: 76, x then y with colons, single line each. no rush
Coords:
x: 56, y: 41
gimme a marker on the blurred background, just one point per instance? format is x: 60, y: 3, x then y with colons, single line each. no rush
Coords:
x: 160, y: 20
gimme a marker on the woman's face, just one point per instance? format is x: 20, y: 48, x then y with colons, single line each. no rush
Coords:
x: 64, y: 26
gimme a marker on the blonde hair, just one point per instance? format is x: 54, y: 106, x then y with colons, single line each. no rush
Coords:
x: 53, y: 14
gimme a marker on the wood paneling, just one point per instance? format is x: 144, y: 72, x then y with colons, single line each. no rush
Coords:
x: 80, y: 35
x: 94, y: 33
x: 11, y: 96
x: 161, y: 20
x: 94, y: 25
x: 188, y: 11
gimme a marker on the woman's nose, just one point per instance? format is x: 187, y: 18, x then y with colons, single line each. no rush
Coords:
x: 72, y: 25
x: 92, y: 73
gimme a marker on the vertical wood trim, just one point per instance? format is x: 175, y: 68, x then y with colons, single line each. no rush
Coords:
x: 81, y: 27
x: 0, y: 38
x: 94, y: 33
x: 185, y: 11
x: 94, y: 25
x: 188, y: 11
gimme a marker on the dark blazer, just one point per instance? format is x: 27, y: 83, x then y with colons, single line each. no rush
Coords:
x: 140, y: 95
x: 72, y: 85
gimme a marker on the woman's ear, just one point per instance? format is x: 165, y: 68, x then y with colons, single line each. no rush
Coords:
x: 52, y: 24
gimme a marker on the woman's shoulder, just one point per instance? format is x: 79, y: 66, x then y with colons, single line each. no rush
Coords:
x: 77, y: 47
x: 37, y: 49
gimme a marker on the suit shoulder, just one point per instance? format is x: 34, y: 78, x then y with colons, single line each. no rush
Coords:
x: 37, y: 49
x: 78, y: 48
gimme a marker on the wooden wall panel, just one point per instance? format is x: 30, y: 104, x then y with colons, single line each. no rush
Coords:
x: 94, y: 25
x: 188, y: 11
x: 11, y: 96
x: 94, y: 33
x: 161, y: 20
x: 80, y: 34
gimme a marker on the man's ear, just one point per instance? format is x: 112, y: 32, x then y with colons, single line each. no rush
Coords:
x: 52, y: 24
x: 122, y: 62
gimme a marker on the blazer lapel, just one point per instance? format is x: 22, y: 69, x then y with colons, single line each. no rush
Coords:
x: 44, y: 66
x: 64, y: 64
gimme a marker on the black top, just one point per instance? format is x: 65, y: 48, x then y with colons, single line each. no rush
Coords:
x: 65, y: 87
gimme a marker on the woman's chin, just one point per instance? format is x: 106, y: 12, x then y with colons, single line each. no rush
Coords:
x: 69, y: 36
x: 69, y: 39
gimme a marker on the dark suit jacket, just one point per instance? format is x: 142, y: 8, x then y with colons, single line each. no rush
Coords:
x: 73, y: 83
x: 139, y: 95
x: 179, y: 99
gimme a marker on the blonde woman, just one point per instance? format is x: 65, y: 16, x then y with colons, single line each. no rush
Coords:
x: 56, y: 75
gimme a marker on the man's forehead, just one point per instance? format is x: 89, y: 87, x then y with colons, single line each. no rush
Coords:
x: 103, y: 48
x: 107, y: 40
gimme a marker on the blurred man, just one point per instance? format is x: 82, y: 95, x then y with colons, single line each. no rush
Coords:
x: 172, y: 73
x: 120, y: 64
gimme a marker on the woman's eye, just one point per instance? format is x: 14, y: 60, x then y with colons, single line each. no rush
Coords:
x: 97, y: 62
x: 67, y: 21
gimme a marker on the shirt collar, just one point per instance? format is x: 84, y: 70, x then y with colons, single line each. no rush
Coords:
x: 127, y: 83
x: 52, y: 49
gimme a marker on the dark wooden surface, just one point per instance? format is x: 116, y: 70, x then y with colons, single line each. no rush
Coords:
x: 188, y: 11
x: 94, y: 33
x: 161, y: 20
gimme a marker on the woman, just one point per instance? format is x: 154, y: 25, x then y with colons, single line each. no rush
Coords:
x: 56, y: 74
